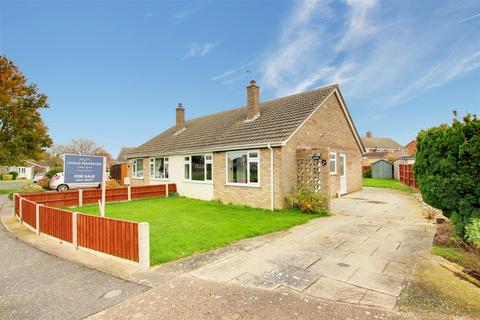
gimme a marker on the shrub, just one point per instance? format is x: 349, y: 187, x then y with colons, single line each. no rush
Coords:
x: 7, y: 176
x: 368, y: 173
x: 44, y: 183
x: 14, y: 174
x: 112, y: 183
x: 447, y: 169
x: 53, y: 171
x: 472, y: 232
x: 309, y: 201
x: 29, y: 188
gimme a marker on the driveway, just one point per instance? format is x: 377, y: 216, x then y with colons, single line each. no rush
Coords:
x: 37, y: 285
x: 362, y: 254
x: 14, y: 184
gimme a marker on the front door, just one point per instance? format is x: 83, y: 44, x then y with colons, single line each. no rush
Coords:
x: 343, y: 173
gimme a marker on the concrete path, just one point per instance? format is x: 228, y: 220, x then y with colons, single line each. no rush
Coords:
x: 363, y: 254
x: 14, y: 184
x: 37, y: 285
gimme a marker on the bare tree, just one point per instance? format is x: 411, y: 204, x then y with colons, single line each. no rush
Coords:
x: 84, y: 146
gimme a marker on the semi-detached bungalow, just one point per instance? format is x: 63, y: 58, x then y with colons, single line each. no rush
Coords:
x: 248, y: 155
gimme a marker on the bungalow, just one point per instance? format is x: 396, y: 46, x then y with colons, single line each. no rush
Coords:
x: 248, y: 155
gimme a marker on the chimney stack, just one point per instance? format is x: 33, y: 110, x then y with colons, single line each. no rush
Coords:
x: 253, y: 101
x: 180, y: 123
x: 369, y: 134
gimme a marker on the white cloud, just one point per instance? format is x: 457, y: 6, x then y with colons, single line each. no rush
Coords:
x: 469, y: 18
x: 185, y: 13
x: 199, y: 49
x: 373, y: 49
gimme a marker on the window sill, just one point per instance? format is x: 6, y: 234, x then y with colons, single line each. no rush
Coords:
x: 198, y: 182
x: 243, y: 185
x: 138, y: 178
x: 158, y: 179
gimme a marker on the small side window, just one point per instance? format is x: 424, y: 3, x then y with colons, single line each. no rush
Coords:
x: 333, y: 163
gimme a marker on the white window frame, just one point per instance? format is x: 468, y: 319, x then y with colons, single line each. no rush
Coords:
x: 134, y: 168
x: 189, y: 162
x: 335, y: 162
x: 249, y: 160
x: 166, y: 164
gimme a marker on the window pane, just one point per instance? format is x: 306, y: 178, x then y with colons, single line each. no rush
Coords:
x: 159, y: 167
x: 333, y: 163
x: 342, y: 168
x: 209, y: 171
x: 208, y: 158
x: 254, y: 172
x: 237, y: 167
x: 166, y: 169
x: 139, y: 167
x: 187, y: 171
x: 198, y: 168
x: 253, y: 155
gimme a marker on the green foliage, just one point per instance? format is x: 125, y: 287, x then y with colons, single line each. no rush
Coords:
x: 448, y: 169
x: 44, y: 183
x: 14, y: 175
x: 309, y: 201
x: 7, y: 176
x: 472, y: 232
x: 368, y: 173
x: 53, y: 171
x: 23, y: 135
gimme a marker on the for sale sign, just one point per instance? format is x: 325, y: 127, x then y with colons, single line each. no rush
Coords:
x: 83, y: 169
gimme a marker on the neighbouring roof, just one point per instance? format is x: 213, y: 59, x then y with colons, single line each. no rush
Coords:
x: 376, y: 155
x: 385, y: 143
x: 380, y: 161
x: 123, y: 152
x: 278, y: 119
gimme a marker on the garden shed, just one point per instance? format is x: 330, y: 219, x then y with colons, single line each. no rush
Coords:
x: 382, y: 169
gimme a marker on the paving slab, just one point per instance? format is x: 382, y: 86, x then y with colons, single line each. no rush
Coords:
x: 327, y: 288
x: 380, y: 282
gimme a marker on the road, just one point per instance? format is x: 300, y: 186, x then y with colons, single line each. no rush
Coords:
x: 37, y: 285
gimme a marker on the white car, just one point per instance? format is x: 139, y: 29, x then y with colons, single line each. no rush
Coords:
x: 58, y: 183
x: 39, y: 176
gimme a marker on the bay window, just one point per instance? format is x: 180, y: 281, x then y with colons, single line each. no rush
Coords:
x: 243, y: 167
x: 159, y: 168
x: 198, y: 168
x: 137, y: 168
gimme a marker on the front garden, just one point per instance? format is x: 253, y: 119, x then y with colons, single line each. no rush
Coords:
x: 180, y: 227
x: 386, y: 183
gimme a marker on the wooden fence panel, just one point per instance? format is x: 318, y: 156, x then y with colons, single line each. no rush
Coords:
x: 29, y: 213
x: 56, y: 223
x: 407, y: 176
x: 91, y: 196
x: 111, y: 236
x: 139, y: 192
x: 54, y: 199
x: 172, y: 187
x: 117, y: 194
x: 17, y: 204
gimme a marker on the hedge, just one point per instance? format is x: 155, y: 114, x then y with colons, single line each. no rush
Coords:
x: 447, y: 169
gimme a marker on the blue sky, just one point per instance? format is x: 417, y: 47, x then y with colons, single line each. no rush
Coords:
x: 115, y: 70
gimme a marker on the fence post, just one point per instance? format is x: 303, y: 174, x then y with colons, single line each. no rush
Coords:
x: 144, y: 245
x: 129, y: 188
x: 166, y: 190
x: 15, y: 195
x: 75, y: 229
x: 20, y: 209
x: 80, y: 197
x: 37, y: 217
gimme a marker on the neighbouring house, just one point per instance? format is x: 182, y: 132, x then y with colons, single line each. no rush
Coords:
x: 119, y: 169
x: 411, y: 148
x: 382, y: 169
x: 27, y: 170
x: 380, y: 148
x: 249, y: 155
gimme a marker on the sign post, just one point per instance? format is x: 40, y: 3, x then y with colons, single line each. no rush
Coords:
x: 80, y: 169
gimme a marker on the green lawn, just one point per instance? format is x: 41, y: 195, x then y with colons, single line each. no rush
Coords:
x: 180, y: 227
x: 7, y: 191
x: 386, y: 183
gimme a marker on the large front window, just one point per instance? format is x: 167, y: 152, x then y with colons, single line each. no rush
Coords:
x: 243, y: 167
x: 137, y: 168
x: 198, y: 168
x: 159, y: 168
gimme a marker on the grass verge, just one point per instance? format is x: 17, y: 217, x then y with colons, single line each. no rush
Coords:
x: 386, y: 183
x: 180, y: 227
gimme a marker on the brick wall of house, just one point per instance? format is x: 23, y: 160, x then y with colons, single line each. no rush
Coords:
x: 327, y: 128
x: 258, y: 197
x: 140, y: 182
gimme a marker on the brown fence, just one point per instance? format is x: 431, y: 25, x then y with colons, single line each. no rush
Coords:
x: 115, y: 237
x: 406, y: 175
x: 29, y: 214
x: 56, y: 223
x: 124, y: 239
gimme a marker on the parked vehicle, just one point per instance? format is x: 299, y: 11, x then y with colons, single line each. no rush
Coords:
x: 39, y: 176
x: 58, y: 183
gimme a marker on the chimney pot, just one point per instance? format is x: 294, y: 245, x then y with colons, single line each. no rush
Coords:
x: 253, y: 100
x: 180, y: 118
x: 369, y: 134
